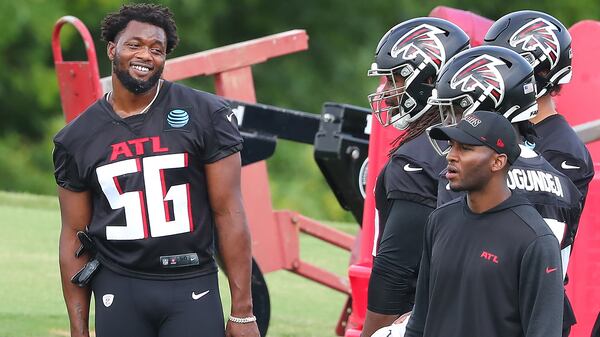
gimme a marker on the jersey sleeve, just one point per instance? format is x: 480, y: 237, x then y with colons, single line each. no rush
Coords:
x: 416, y: 323
x: 577, y: 170
x: 408, y: 179
x: 395, y: 267
x: 223, y: 137
x: 541, y: 288
x: 66, y: 171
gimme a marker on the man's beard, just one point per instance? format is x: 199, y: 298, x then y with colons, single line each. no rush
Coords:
x: 133, y: 85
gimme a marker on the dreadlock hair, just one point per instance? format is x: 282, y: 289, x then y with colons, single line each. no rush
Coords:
x: 156, y: 15
x: 428, y: 119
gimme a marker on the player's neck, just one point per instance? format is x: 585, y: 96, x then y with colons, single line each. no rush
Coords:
x: 126, y: 103
x: 546, y: 108
x: 490, y: 196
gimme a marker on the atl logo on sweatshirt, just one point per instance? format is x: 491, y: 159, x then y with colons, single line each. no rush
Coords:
x: 489, y: 256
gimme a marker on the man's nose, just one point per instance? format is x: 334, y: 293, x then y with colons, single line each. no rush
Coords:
x: 144, y: 53
x: 452, y: 156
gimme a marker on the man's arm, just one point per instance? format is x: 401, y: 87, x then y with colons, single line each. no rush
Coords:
x: 393, y: 278
x: 76, y: 211
x: 416, y: 324
x: 223, y: 180
x: 541, y: 289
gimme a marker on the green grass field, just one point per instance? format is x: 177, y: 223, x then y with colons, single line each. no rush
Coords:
x: 31, y: 303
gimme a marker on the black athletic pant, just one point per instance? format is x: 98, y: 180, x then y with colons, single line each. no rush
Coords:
x: 132, y: 307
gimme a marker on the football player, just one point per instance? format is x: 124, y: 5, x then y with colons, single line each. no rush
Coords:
x: 490, y: 266
x: 499, y: 80
x: 410, y: 57
x: 546, y: 44
x: 149, y: 172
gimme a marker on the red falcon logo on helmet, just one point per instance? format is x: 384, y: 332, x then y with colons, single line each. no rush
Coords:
x: 481, y: 73
x: 423, y: 41
x: 538, y: 33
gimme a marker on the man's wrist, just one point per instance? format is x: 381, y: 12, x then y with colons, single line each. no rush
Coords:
x: 243, y: 320
x: 242, y: 308
x: 242, y: 311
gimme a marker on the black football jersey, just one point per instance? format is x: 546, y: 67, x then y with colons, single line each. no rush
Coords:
x: 410, y: 174
x: 147, y: 180
x: 552, y: 194
x: 561, y: 147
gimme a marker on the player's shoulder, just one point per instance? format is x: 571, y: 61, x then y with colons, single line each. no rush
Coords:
x: 542, y: 183
x: 205, y: 101
x: 418, y: 152
x: 450, y: 207
x: 532, y: 219
x: 556, y: 135
x: 84, y: 125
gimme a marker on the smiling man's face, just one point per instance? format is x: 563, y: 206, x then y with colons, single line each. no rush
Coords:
x: 138, y: 56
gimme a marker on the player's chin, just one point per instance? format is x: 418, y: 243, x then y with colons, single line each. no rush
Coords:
x: 456, y: 186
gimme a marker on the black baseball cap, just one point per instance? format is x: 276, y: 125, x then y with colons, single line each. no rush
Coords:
x: 483, y: 128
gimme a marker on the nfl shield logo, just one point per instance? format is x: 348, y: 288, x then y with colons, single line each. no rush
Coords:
x: 108, y: 299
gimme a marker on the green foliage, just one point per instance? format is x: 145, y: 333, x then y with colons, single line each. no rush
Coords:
x: 343, y: 35
x: 27, y: 165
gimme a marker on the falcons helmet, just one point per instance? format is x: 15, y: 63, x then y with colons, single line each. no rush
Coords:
x: 541, y: 39
x: 485, y: 78
x: 415, y: 50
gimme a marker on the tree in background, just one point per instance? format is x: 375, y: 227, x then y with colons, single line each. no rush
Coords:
x: 343, y: 36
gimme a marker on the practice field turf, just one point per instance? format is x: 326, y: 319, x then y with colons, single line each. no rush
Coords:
x: 31, y: 302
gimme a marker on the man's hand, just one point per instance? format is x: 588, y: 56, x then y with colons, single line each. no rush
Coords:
x: 241, y: 329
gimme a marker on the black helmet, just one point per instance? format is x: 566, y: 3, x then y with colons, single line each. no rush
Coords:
x: 541, y: 39
x: 416, y: 50
x: 486, y: 78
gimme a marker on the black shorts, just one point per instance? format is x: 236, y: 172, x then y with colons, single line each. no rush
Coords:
x: 132, y: 307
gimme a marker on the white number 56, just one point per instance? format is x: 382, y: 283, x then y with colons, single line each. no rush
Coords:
x: 158, y: 220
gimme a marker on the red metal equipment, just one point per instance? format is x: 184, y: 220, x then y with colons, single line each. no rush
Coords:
x: 78, y: 80
x: 577, y: 103
x: 275, y: 233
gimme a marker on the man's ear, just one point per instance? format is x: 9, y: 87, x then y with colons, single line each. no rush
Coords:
x: 499, y: 162
x: 111, y: 49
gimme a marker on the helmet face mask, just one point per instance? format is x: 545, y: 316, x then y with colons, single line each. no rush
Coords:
x: 441, y: 147
x: 389, y: 105
x: 413, y: 52
x: 451, y: 110
x: 542, y: 40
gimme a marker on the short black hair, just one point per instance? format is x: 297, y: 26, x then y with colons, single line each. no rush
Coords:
x: 156, y: 15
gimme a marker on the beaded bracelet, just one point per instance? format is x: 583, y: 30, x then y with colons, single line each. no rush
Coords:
x: 242, y: 320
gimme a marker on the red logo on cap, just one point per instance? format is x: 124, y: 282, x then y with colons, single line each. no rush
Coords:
x: 500, y: 143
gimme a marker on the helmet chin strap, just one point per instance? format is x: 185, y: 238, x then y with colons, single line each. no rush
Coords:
x: 402, y: 122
